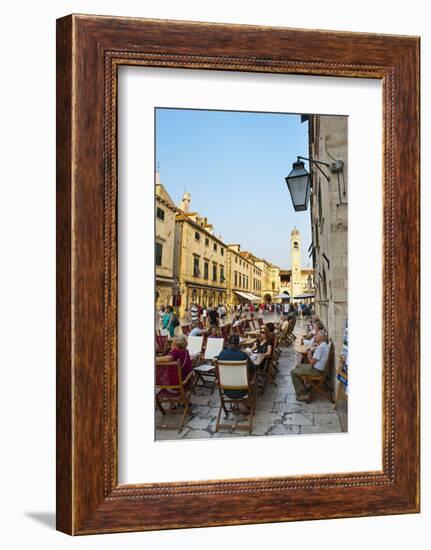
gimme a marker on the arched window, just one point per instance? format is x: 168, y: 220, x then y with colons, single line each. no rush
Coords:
x: 194, y: 296
x: 295, y: 246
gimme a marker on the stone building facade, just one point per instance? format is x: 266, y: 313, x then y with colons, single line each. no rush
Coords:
x: 265, y: 277
x: 270, y: 280
x: 240, y: 276
x: 200, y: 260
x: 164, y: 244
x: 329, y: 221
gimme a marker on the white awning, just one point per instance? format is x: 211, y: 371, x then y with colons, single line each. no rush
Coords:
x: 248, y: 296
x: 242, y: 294
x: 254, y: 298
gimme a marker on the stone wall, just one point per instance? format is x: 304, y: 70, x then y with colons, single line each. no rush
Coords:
x: 329, y: 215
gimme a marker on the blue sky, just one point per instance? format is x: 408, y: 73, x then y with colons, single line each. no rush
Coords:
x: 233, y: 164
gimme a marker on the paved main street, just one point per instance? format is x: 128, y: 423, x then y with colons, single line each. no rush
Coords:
x: 277, y: 411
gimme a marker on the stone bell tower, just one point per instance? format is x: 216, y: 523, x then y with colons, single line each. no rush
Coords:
x: 295, y: 254
x: 185, y: 202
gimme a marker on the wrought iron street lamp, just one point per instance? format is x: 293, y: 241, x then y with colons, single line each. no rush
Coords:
x: 298, y: 182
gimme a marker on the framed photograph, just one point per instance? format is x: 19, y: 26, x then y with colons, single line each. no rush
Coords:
x: 237, y: 274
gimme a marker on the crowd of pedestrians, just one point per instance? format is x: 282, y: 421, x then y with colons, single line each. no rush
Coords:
x: 218, y: 315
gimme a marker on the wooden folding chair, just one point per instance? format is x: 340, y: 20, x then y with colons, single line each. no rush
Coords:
x: 288, y: 337
x: 234, y: 375
x: 284, y: 338
x: 291, y: 336
x: 276, y: 352
x: 246, y: 325
x: 240, y: 329
x: 266, y: 370
x: 225, y: 333
x: 172, y: 389
x: 260, y: 321
x: 322, y: 382
x: 162, y: 344
x: 213, y: 348
x: 194, y: 346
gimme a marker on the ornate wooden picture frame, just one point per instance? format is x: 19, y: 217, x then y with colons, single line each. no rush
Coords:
x: 89, y: 51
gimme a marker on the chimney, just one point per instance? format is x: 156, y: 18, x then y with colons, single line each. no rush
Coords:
x: 185, y: 203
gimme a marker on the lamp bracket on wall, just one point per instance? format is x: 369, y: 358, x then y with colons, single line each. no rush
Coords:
x: 334, y: 167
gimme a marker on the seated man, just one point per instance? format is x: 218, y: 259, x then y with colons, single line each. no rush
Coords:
x: 234, y: 353
x: 317, y: 327
x: 317, y: 360
x: 285, y: 324
x: 196, y: 331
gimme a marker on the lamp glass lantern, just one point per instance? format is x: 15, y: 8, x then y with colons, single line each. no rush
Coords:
x: 298, y: 182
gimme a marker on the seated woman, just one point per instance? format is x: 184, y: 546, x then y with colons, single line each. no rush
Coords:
x: 179, y: 352
x: 264, y: 345
x: 214, y: 332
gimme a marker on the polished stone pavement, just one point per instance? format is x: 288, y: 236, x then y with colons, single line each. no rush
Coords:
x: 277, y: 411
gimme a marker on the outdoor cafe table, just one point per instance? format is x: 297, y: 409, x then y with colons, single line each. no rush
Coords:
x: 257, y: 358
x: 247, y: 342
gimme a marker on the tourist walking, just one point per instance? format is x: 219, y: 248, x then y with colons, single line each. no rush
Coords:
x: 213, y: 316
x: 168, y: 320
x: 194, y: 313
